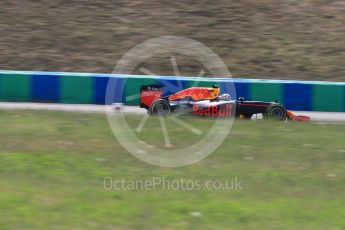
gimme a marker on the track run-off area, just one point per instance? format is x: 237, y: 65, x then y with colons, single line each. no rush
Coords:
x: 314, y: 116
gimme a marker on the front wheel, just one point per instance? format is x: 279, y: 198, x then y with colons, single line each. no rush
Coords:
x: 276, y: 111
x: 160, y: 107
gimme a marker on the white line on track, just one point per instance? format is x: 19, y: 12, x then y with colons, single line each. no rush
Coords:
x: 315, y: 116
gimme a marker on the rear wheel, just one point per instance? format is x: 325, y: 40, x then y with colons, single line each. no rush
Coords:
x: 160, y: 107
x: 276, y: 111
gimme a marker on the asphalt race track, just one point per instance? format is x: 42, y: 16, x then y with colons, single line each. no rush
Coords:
x: 315, y: 116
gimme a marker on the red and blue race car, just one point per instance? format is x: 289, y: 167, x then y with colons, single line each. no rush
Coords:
x: 208, y: 101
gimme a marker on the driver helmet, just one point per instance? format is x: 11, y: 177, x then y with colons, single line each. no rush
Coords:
x: 225, y: 97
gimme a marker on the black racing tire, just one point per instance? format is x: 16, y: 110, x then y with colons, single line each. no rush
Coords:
x: 276, y: 112
x: 160, y: 107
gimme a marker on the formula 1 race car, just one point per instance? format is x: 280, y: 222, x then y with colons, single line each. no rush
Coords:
x: 207, y: 101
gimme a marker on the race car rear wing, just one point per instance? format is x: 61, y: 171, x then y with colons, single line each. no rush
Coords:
x: 150, y: 93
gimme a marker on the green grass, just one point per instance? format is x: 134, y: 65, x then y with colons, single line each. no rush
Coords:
x: 52, y: 167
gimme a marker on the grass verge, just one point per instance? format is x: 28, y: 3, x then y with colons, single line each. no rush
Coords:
x: 53, y: 165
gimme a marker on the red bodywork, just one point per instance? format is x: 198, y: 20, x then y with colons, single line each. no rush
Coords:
x: 296, y: 117
x: 147, y: 97
x: 151, y: 93
x: 196, y: 93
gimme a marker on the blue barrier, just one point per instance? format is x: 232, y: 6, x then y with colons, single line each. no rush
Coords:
x: 88, y: 88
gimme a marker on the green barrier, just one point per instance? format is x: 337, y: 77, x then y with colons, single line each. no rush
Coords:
x: 77, y: 90
x: 15, y: 87
x: 266, y: 91
x: 132, y: 89
x: 328, y: 98
x: 85, y: 88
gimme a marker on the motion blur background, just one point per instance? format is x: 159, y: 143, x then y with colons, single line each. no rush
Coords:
x: 53, y: 163
x: 292, y: 39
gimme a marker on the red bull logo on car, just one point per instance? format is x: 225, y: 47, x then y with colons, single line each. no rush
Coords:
x: 213, y: 111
